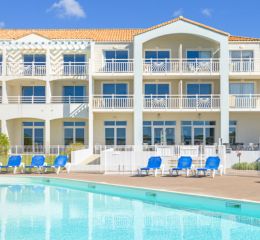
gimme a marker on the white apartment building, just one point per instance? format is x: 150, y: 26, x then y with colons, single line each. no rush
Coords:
x: 179, y: 82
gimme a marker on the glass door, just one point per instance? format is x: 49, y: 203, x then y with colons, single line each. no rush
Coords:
x: 158, y: 135
x: 170, y: 136
x: 198, y: 135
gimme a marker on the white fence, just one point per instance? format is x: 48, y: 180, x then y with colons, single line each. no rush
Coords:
x: 129, y: 159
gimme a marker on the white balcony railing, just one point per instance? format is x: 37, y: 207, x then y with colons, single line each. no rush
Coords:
x: 244, y: 101
x: 69, y: 99
x: 181, y: 66
x: 246, y: 65
x: 113, y: 102
x: 25, y: 69
x: 177, y: 102
x: 26, y: 99
x: 70, y: 69
x: 114, y: 66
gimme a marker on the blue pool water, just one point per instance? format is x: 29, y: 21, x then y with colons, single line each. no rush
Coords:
x: 38, y: 208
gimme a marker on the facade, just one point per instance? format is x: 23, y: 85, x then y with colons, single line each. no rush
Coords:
x: 179, y: 82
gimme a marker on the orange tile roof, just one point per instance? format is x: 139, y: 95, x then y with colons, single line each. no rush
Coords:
x: 243, y: 39
x: 102, y: 35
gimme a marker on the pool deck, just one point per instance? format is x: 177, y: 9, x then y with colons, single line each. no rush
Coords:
x: 236, y: 187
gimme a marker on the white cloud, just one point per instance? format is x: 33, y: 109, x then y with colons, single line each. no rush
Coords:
x: 2, y: 24
x: 68, y: 8
x: 206, y: 12
x: 178, y: 12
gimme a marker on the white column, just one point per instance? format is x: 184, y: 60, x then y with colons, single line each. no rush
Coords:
x: 4, y: 127
x: 138, y: 94
x: 47, y: 139
x: 224, y: 91
x: 48, y: 91
x: 90, y: 99
x: 4, y: 92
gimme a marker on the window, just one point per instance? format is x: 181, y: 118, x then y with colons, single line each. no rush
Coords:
x: 74, y: 64
x: 198, y: 132
x: 115, y: 132
x: 74, y: 132
x: 159, y: 132
x: 74, y: 94
x: 34, y: 64
x: 157, y: 61
x: 157, y: 89
x: 199, y: 88
x: 33, y: 94
x: 1, y: 60
x: 241, y: 88
x: 199, y: 54
x: 157, y: 55
x: 116, y: 55
x: 114, y: 89
x: 33, y: 135
x: 232, y: 132
x: 242, y: 60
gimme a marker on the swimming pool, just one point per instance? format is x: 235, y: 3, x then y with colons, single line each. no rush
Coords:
x: 49, y: 208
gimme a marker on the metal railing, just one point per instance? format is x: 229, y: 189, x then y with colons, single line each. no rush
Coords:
x: 181, y: 65
x: 26, y: 99
x: 69, y: 99
x: 244, y: 65
x: 244, y: 101
x: 26, y: 69
x: 115, y: 66
x: 209, y: 102
x: 113, y: 102
x: 70, y: 69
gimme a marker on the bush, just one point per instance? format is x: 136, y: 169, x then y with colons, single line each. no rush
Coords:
x: 246, y: 166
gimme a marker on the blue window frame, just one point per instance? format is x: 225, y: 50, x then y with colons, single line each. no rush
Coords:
x: 157, y: 55
x: 199, y: 54
x: 157, y: 89
x: 117, y: 89
x: 34, y: 64
x: 199, y: 89
x: 74, y: 64
x: 74, y: 94
x: 74, y: 132
x: 33, y: 135
x: 115, y: 132
x: 33, y: 94
x: 116, y: 55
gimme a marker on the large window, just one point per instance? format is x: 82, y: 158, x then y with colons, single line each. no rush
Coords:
x: 116, y: 55
x: 157, y: 60
x: 157, y: 89
x: 199, y: 89
x: 115, y: 132
x: 199, y: 54
x: 33, y: 94
x: 114, y: 89
x: 74, y: 64
x: 198, y: 132
x: 74, y: 94
x: 159, y: 132
x: 34, y: 64
x: 74, y: 132
x: 33, y: 135
x: 242, y: 60
x: 232, y: 132
x: 241, y: 88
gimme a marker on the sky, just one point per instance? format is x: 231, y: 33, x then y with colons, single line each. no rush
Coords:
x: 234, y: 16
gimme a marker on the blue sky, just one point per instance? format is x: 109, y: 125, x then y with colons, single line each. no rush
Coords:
x: 235, y: 16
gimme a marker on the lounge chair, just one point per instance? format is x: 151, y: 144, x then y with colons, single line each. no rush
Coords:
x: 14, y: 162
x: 154, y: 163
x: 60, y: 161
x: 37, y: 162
x: 212, y: 165
x: 184, y: 163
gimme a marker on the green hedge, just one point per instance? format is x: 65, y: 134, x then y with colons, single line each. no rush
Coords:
x: 246, y: 166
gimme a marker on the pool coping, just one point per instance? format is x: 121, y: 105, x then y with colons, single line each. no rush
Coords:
x: 139, y: 188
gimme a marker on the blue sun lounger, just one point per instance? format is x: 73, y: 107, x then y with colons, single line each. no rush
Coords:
x: 37, y: 162
x: 184, y: 164
x: 154, y: 163
x: 212, y: 165
x: 14, y: 162
x: 60, y: 161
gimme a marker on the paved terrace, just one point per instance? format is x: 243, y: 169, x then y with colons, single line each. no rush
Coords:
x: 238, y: 187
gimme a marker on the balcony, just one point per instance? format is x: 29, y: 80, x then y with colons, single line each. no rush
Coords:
x: 113, y: 102
x: 115, y: 66
x: 42, y: 99
x: 79, y: 69
x: 245, y: 66
x: 181, y: 66
x: 244, y: 102
x: 25, y: 69
x: 181, y: 103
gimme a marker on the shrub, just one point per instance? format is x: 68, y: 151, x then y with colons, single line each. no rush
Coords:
x: 246, y: 166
